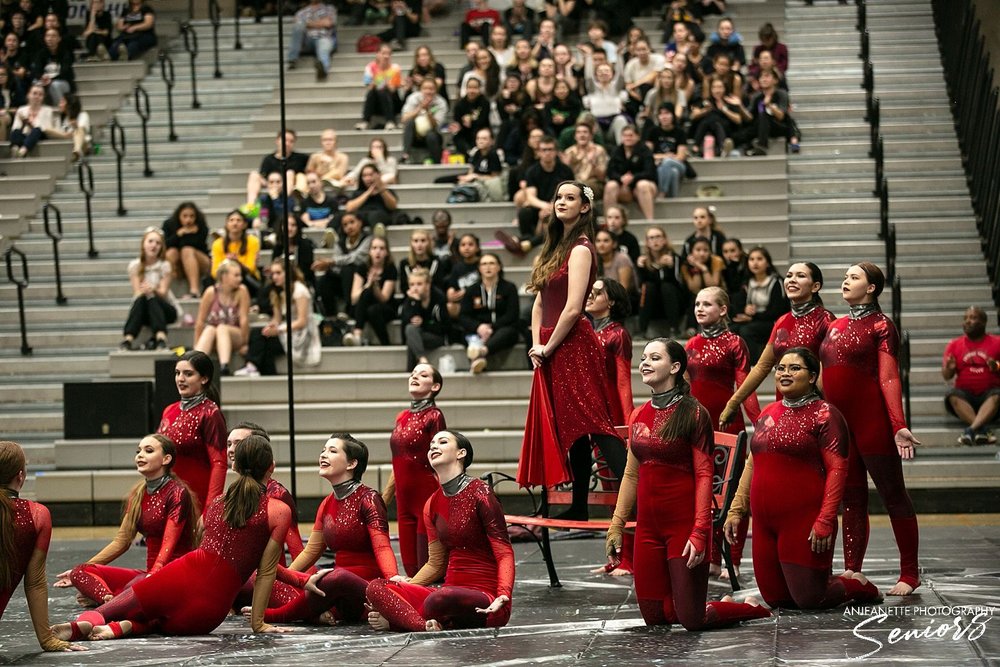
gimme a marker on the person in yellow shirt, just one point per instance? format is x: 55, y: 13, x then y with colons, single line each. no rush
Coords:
x: 238, y: 246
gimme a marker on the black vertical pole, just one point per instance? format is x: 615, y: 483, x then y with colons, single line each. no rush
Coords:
x: 167, y: 71
x: 214, y: 13
x: 287, y: 241
x: 142, y: 109
x: 56, y: 236
x: 236, y: 25
x: 87, y: 187
x: 21, y: 284
x: 191, y: 46
x: 118, y: 146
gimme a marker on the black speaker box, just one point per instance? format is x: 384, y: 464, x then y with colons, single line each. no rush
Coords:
x: 107, y: 410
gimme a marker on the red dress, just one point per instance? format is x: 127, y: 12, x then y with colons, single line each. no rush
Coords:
x: 32, y: 530
x: 163, y: 523
x: 470, y: 526
x: 617, y: 344
x: 200, y: 435
x: 675, y: 474
x: 356, y: 530
x: 570, y: 394
x: 800, y: 468
x: 193, y: 594
x: 861, y: 378
x: 415, y: 479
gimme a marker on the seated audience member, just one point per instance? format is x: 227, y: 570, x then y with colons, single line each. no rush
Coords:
x: 424, y: 67
x: 223, y: 321
x: 759, y: 303
x: 486, y: 69
x: 267, y: 344
x: 545, y: 40
x: 479, y: 21
x: 639, y: 75
x: 445, y: 243
x: 31, y: 124
x: 499, y: 46
x: 722, y: 69
x: 700, y: 269
x: 405, y: 17
x: 382, y: 78
x: 768, y: 42
x: 541, y: 87
x: 605, y: 103
x: 329, y: 163
x: 719, y: 115
x: 153, y: 304
x: 726, y: 40
x: 372, y: 294
x: 523, y: 64
x: 472, y: 113
x: 272, y: 163
x: 73, y: 123
x: 539, y: 186
x: 378, y: 155
x: 423, y: 114
x: 664, y: 92
x: 972, y: 364
x: 471, y: 50
x: 562, y: 111
x: 736, y: 273
x: 490, y: 313
x: 611, y: 263
x: 53, y: 67
x: 464, y: 272
x: 664, y: 296
x: 420, y: 256
x: 597, y: 33
x: 136, y: 31
x: 424, y: 314
x: 97, y: 33
x: 8, y: 103
x: 302, y: 250
x: 631, y: 174
x: 271, y: 208
x: 485, y: 168
x: 334, y: 287
x: 706, y: 226
x: 669, y: 145
x: 616, y: 222
x: 318, y: 208
x: 372, y: 201
x: 239, y: 246
x: 587, y: 160
x: 315, y: 32
x: 765, y: 62
x: 520, y: 20
x: 186, y: 237
x: 769, y: 116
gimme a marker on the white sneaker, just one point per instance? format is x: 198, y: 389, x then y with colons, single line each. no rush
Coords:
x: 478, y: 366
x: 391, y: 125
x: 474, y: 352
x: 350, y: 340
x: 363, y: 125
x: 248, y: 371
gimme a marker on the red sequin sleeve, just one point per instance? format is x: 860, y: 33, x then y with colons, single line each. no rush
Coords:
x: 437, y: 554
x: 35, y: 583
x: 279, y: 517
x: 214, y: 435
x: 892, y: 388
x: 834, y: 438
x: 374, y: 517
x: 292, y: 538
x: 702, y: 444
x: 178, y: 508
x: 298, y: 572
x: 742, y: 364
x: 491, y: 515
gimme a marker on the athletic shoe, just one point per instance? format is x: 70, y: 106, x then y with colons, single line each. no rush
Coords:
x: 320, y: 71
x: 350, y: 340
x: 363, y: 125
x: 968, y: 438
x: 125, y: 346
x: 391, y: 125
x: 248, y: 371
x: 102, y: 53
x: 122, y: 52
x: 478, y: 366
x: 510, y: 242
x: 985, y: 438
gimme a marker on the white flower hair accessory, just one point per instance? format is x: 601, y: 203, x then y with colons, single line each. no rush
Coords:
x: 588, y: 192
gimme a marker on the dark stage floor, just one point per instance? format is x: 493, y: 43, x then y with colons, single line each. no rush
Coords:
x: 593, y: 620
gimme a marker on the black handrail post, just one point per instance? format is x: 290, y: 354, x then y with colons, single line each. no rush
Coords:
x: 167, y: 71
x: 879, y: 166
x: 56, y: 237
x: 890, y: 254
x: 214, y: 13
x: 865, y: 45
x: 238, y: 46
x: 118, y: 133
x: 875, y: 125
x: 862, y: 16
x: 142, y: 108
x: 883, y: 210
x: 87, y: 187
x: 21, y: 283
x: 897, y: 303
x: 191, y: 46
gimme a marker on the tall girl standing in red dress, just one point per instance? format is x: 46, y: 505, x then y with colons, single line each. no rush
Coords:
x: 196, y: 426
x: 570, y: 407
x: 159, y: 506
x: 193, y: 594
x: 861, y: 378
x: 718, y: 361
x: 469, y: 546
x: 412, y: 480
x: 25, y: 530
x: 800, y: 445
x: 668, y: 480
x: 352, y: 523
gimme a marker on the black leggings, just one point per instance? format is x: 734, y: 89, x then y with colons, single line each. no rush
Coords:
x: 154, y: 312
x: 581, y: 463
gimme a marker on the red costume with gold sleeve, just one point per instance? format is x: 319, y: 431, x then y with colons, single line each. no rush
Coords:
x: 356, y: 530
x: 468, y: 532
x: 674, y: 474
x: 861, y: 378
x: 800, y: 469
x: 200, y: 436
x: 163, y: 522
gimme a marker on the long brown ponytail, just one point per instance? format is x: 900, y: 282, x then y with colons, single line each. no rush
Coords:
x: 132, y: 503
x: 11, y: 463
x: 684, y: 421
x: 253, y: 460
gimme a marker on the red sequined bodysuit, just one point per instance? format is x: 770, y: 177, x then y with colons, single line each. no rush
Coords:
x: 617, y: 345
x: 200, y: 436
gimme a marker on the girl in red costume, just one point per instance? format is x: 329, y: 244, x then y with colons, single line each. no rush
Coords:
x: 160, y: 507
x: 352, y: 523
x: 193, y: 594
x: 718, y: 361
x: 412, y: 480
x: 861, y: 378
x: 25, y: 529
x: 668, y: 480
x: 570, y: 407
x: 800, y: 446
x: 196, y: 426
x: 468, y: 545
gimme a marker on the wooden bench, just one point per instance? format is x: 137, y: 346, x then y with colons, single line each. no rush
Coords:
x: 728, y: 458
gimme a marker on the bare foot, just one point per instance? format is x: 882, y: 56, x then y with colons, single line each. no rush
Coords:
x: 433, y: 626
x: 620, y: 572
x: 847, y: 573
x: 326, y: 618
x: 84, y: 601
x: 104, y: 632
x: 377, y: 621
x: 901, y: 589
x: 714, y: 570
x: 727, y: 598
x: 751, y: 600
x: 724, y: 575
x: 108, y: 598
x: 64, y: 631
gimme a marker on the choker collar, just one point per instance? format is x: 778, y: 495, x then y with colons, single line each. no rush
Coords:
x: 802, y: 400
x: 11, y: 493
x: 803, y: 309
x: 715, y: 330
x: 456, y: 485
x: 188, y: 403
x: 864, y: 310
x: 601, y: 323
x: 422, y: 404
x: 667, y: 398
x: 344, y: 489
x: 154, y: 485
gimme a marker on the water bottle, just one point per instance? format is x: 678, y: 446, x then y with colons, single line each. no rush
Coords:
x: 446, y: 364
x: 708, y: 148
x: 445, y: 156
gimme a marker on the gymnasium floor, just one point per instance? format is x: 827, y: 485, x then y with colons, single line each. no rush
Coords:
x: 593, y: 620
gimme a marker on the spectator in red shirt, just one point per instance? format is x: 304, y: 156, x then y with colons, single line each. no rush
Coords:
x: 972, y: 362
x: 479, y: 21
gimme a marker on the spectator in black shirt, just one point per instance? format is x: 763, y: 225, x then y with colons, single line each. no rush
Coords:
x: 271, y: 163
x: 616, y: 221
x: 186, y: 238
x: 631, y: 173
x: 425, y: 318
x: 53, y: 67
x: 97, y: 34
x: 520, y: 20
x: 490, y: 313
x: 669, y: 145
x: 769, y: 116
x: 444, y: 240
x: 464, y: 272
x: 136, y: 32
x: 373, y: 202
x: 485, y: 168
x: 471, y: 114
x: 405, y: 17
x: 725, y: 40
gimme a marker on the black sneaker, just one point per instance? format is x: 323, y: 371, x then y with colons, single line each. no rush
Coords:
x: 160, y: 344
x: 125, y: 346
x: 968, y: 438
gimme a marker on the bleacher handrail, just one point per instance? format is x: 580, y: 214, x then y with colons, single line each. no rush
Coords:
x: 215, y: 16
x: 897, y: 303
x: 191, y: 46
x: 85, y: 175
x: 21, y: 284
x: 118, y: 145
x: 862, y: 23
x: 238, y: 45
x: 56, y: 237
x: 167, y: 72
x: 904, y: 372
x: 890, y: 255
x: 970, y: 82
x: 883, y: 209
x: 142, y: 110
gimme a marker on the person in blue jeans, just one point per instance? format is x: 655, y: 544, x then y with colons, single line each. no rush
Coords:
x: 136, y: 31
x: 315, y: 32
x: 669, y: 145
